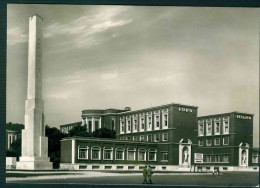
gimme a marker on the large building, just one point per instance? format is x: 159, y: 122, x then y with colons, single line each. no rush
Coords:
x: 168, y: 137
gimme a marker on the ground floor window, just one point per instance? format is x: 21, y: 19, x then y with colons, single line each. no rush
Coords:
x: 142, y: 155
x: 108, y: 154
x: 95, y: 153
x: 152, y: 155
x: 225, y: 158
x: 131, y: 155
x: 217, y: 158
x: 255, y: 158
x: 165, y: 156
x: 207, y: 158
x: 83, y: 153
x: 119, y: 154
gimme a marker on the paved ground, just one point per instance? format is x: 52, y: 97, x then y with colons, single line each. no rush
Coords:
x: 226, y: 179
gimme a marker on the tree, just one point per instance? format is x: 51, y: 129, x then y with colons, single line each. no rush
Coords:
x: 15, y: 127
x: 104, y: 133
x: 15, y: 149
x: 79, y: 130
x: 54, y: 137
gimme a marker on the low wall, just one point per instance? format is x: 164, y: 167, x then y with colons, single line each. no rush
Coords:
x: 10, y: 163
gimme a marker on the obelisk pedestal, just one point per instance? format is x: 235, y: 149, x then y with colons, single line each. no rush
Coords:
x: 34, y: 143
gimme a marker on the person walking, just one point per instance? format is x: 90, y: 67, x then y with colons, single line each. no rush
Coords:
x: 149, y: 174
x: 145, y: 175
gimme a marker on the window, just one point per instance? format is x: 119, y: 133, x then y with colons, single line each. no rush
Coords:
x: 226, y: 158
x: 83, y: 153
x: 152, y: 155
x: 208, y: 142
x: 142, y: 155
x: 226, y: 125
x: 149, y: 122
x: 128, y: 138
x: 135, y: 124
x: 149, y: 138
x: 122, y: 138
x: 131, y: 155
x: 217, y: 127
x: 217, y: 141
x: 209, y: 127
x: 128, y: 126
x: 200, y: 142
x: 134, y: 138
x: 119, y: 154
x: 217, y: 158
x: 95, y: 153
x: 96, y: 125
x: 157, y: 137
x: 225, y: 141
x: 165, y: 136
x: 90, y: 126
x: 142, y: 123
x: 122, y: 126
x: 108, y: 154
x: 113, y: 124
x: 201, y: 129
x: 165, y: 120
x: 142, y: 138
x: 157, y: 120
x: 207, y: 158
x: 164, y: 156
x: 255, y: 158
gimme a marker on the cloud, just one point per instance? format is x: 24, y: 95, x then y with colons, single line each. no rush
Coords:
x: 15, y: 36
x: 109, y: 76
x: 82, y: 30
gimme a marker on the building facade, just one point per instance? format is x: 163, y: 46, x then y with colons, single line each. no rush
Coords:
x: 167, y: 137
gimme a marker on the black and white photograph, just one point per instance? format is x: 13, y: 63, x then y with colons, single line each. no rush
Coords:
x: 132, y: 95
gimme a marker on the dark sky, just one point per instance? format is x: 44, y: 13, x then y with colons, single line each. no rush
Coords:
x: 117, y: 56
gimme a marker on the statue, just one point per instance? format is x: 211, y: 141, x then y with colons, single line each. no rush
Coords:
x: 186, y: 156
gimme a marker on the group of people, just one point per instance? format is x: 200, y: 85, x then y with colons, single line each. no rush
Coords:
x: 147, y: 173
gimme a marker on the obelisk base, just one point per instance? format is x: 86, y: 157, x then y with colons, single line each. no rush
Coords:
x: 34, y: 163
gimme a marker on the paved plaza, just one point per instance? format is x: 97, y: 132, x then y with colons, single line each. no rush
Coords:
x: 90, y: 177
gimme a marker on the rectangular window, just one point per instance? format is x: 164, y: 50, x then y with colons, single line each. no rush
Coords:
x: 122, y: 126
x: 95, y: 154
x: 152, y: 156
x: 83, y: 154
x: 128, y: 126
x: 135, y: 124
x: 200, y: 142
x: 122, y: 138
x: 208, y: 142
x: 217, y: 128
x: 131, y: 155
x: 165, y: 156
x: 209, y: 128
x: 201, y: 129
x: 128, y: 138
x: 142, y: 138
x: 142, y: 123
x: 149, y: 123
x: 165, y: 136
x: 149, y: 138
x: 165, y: 120
x: 157, y: 121
x: 157, y: 137
x: 207, y: 158
x: 134, y: 138
x: 90, y: 126
x: 255, y: 158
x: 225, y: 141
x: 119, y: 154
x: 141, y: 156
x: 96, y: 125
x: 107, y: 154
x: 226, y: 158
x: 113, y: 124
x: 226, y: 125
x: 217, y: 141
x: 217, y: 158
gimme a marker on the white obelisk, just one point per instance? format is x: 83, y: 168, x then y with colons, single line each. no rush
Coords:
x: 34, y: 143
